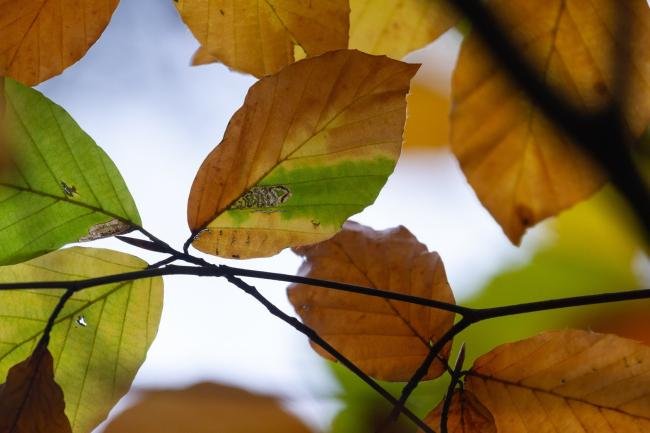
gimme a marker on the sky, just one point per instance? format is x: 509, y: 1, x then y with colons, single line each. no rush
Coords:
x: 157, y: 118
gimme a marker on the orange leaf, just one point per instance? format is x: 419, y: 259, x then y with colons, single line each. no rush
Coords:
x: 30, y: 400
x: 311, y: 146
x: 522, y: 169
x: 40, y: 38
x: 258, y: 37
x: 466, y: 415
x: 206, y: 408
x: 386, y: 339
x: 566, y: 381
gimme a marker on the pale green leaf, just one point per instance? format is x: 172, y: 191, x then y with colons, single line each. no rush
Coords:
x: 101, y: 337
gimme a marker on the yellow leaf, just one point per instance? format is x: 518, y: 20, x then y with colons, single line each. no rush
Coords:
x: 206, y: 408
x: 40, y: 38
x: 522, y: 169
x: 203, y: 57
x: 466, y: 415
x: 30, y: 400
x: 566, y: 381
x: 397, y: 27
x: 311, y: 146
x: 427, y: 119
x: 387, y: 339
x: 258, y: 36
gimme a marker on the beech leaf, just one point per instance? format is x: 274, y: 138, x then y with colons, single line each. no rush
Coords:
x: 397, y: 27
x: 311, y: 146
x: 466, y: 415
x: 99, y: 339
x: 258, y: 36
x: 62, y: 187
x: 568, y: 381
x: 41, y: 38
x: 206, y: 408
x: 521, y: 167
x: 30, y: 400
x: 387, y: 339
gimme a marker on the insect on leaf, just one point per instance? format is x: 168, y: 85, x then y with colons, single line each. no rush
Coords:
x: 30, y: 399
x: 521, y: 167
x: 101, y: 336
x: 258, y: 36
x: 311, y: 146
x: 61, y: 188
x: 387, y: 339
x: 41, y: 38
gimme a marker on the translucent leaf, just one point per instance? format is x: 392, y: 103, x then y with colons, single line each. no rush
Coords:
x: 397, y: 27
x: 522, y: 169
x: 62, y: 187
x: 568, y: 381
x: 387, y: 339
x: 311, y: 146
x: 258, y: 36
x: 40, y: 38
x: 101, y: 337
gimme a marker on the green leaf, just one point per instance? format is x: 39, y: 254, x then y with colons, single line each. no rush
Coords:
x: 63, y: 187
x: 101, y: 337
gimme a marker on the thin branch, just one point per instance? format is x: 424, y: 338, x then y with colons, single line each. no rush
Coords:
x: 313, y: 336
x: 45, y: 338
x: 455, y: 379
x: 351, y: 288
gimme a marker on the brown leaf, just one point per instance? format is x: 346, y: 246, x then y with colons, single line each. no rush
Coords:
x: 40, y: 38
x: 258, y: 37
x: 566, y: 381
x: 206, y: 408
x: 466, y: 415
x: 311, y: 146
x: 386, y: 339
x: 522, y: 169
x: 30, y: 400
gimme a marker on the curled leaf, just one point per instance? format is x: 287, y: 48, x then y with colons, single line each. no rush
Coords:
x: 311, y: 146
x: 387, y: 339
x: 40, y: 38
x: 569, y: 381
x: 30, y: 399
x: 258, y: 37
x: 521, y: 167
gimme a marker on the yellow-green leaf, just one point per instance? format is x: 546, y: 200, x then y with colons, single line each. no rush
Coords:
x: 387, y: 339
x: 258, y: 36
x: 101, y: 337
x: 397, y: 27
x: 567, y: 381
x: 311, y: 146
x: 61, y: 188
x: 30, y: 400
x: 40, y: 38
x: 522, y: 169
